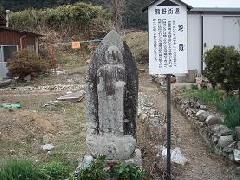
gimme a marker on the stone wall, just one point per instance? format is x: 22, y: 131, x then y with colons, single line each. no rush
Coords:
x: 221, y: 139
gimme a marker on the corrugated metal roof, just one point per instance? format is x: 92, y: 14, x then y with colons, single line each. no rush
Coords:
x: 22, y: 32
x: 211, y: 5
x: 214, y: 5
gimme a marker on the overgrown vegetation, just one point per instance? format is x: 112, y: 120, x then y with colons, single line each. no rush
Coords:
x: 26, y: 169
x: 100, y: 170
x: 79, y: 19
x: 27, y: 63
x: 223, y: 67
x: 19, y: 170
x: 138, y: 43
x: 228, y: 105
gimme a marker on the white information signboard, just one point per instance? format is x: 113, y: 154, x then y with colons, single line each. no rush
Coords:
x: 167, y: 39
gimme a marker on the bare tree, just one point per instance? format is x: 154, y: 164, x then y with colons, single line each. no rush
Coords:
x: 118, y: 9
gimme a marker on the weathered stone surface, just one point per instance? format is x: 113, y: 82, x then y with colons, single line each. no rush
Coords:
x: 202, y: 115
x: 230, y: 147
x: 47, y: 147
x: 113, y: 147
x: 236, y: 155
x: 237, y: 131
x: 77, y: 96
x: 211, y: 120
x: 176, y: 156
x: 137, y: 158
x: 225, y: 141
x: 5, y: 83
x: 221, y: 130
x: 203, y: 107
x: 111, y: 99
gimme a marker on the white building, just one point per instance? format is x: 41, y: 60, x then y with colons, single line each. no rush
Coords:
x: 210, y: 22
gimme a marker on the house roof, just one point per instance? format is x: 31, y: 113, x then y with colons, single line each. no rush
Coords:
x: 153, y: 2
x: 209, y: 5
x: 22, y: 32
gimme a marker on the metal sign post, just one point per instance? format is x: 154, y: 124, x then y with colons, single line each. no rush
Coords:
x: 169, y: 124
x: 167, y: 21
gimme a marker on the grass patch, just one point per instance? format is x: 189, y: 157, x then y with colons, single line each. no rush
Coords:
x: 29, y: 170
x: 228, y: 105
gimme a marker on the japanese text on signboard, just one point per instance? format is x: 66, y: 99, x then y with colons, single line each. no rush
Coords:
x: 168, y: 40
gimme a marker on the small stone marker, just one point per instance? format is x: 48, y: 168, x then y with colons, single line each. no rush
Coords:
x: 77, y: 96
x: 111, y: 98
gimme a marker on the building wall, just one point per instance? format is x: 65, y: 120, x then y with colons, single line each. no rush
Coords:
x: 8, y: 38
x: 218, y: 29
x: 194, y: 42
x: 13, y: 38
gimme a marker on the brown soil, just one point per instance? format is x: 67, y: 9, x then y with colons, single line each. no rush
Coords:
x: 23, y: 131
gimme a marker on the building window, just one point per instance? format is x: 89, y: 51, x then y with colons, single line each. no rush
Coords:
x: 7, y: 52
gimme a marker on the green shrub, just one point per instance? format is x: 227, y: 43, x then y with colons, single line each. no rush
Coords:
x: 80, y: 18
x: 99, y: 170
x: 96, y: 170
x: 129, y: 171
x: 25, y: 63
x: 223, y: 67
x: 19, y: 170
x: 55, y: 170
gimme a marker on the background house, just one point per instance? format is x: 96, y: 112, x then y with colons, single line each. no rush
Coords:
x: 12, y: 41
x: 210, y: 23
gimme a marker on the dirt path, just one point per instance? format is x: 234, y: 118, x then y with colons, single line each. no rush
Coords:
x: 203, y: 165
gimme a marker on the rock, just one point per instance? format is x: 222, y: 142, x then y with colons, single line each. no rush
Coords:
x: 237, y: 173
x: 47, y: 147
x: 77, y: 96
x: 211, y: 120
x: 142, y: 70
x: 236, y: 155
x: 225, y: 141
x: 238, y: 145
x: 237, y: 132
x: 203, y: 107
x: 176, y: 156
x: 230, y: 147
x: 221, y: 130
x: 51, y: 103
x: 88, y: 61
x: 137, y: 158
x: 202, y: 115
x: 28, y: 78
x: 5, y: 83
x: 85, y: 162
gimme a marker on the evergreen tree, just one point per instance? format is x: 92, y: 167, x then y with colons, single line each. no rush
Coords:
x: 133, y: 15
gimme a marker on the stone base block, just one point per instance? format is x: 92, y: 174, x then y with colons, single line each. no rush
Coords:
x: 112, y: 146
